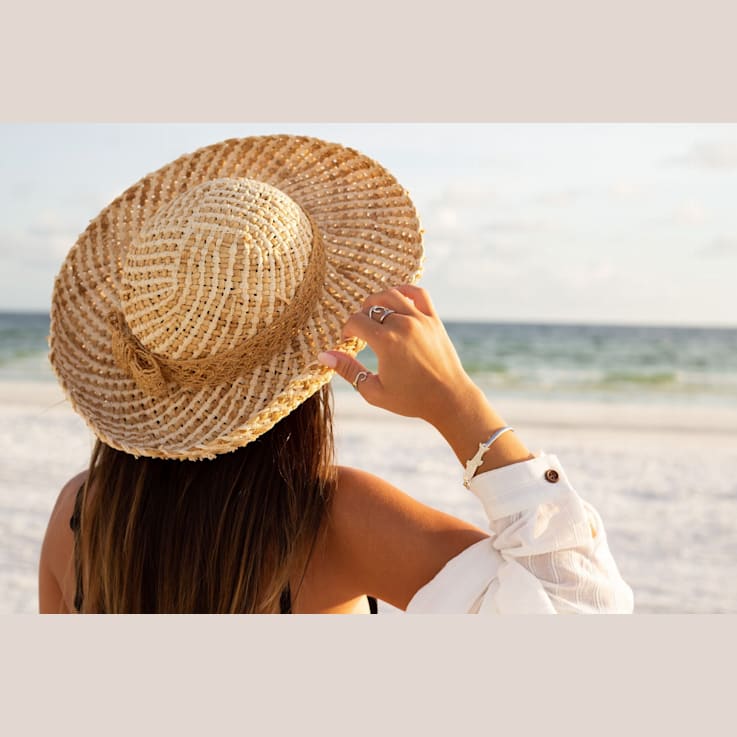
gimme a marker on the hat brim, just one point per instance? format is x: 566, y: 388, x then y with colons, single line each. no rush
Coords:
x: 372, y: 241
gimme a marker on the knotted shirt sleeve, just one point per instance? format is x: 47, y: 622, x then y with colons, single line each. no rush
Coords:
x: 547, y: 552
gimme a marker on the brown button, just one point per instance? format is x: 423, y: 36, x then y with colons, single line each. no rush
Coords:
x: 551, y: 475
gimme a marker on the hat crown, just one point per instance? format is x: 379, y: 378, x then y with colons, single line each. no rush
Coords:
x: 213, y: 267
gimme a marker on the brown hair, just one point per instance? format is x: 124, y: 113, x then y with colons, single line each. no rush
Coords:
x: 209, y: 536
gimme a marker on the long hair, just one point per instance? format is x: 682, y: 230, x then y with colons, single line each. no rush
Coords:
x: 208, y: 536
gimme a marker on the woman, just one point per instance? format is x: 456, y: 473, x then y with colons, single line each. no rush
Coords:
x: 195, y: 325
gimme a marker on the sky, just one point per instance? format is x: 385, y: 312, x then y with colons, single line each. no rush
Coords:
x: 574, y: 223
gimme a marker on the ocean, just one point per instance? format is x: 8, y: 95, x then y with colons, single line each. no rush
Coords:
x: 572, y: 362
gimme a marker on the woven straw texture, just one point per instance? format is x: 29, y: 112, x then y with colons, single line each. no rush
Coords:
x: 187, y: 318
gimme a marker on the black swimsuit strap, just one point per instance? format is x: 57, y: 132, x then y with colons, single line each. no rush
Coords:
x: 74, y: 524
x: 285, y: 603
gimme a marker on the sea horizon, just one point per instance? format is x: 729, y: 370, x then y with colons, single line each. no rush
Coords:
x: 576, y: 361
x: 524, y: 322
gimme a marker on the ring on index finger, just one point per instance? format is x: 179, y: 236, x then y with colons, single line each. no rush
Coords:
x: 379, y: 313
x: 360, y: 376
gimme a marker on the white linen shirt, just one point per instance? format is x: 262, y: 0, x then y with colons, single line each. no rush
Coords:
x: 547, y: 552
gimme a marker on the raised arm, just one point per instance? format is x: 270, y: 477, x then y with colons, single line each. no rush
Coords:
x: 547, y: 551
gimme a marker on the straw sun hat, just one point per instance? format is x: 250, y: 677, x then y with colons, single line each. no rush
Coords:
x: 187, y: 318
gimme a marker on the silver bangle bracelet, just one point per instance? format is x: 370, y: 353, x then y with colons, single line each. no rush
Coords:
x: 475, y: 462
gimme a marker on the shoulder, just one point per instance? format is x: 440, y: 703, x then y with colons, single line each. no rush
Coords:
x: 64, y: 507
x: 365, y: 502
x: 386, y: 541
x: 56, y: 565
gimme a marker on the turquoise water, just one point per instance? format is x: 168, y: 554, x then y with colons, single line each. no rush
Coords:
x: 572, y: 361
x: 600, y: 362
x: 23, y: 347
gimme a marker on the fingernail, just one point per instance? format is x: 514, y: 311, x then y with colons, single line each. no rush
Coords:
x: 328, y: 359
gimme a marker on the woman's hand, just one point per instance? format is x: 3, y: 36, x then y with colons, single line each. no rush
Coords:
x: 420, y: 374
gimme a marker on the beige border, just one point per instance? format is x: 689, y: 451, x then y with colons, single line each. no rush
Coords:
x: 387, y: 61
x: 360, y: 675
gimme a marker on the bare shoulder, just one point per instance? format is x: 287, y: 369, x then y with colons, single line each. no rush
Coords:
x: 64, y: 507
x: 56, y: 564
x: 366, y: 499
x: 389, y: 543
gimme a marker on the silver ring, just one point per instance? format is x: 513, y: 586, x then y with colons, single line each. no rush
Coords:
x: 379, y: 313
x: 360, y: 376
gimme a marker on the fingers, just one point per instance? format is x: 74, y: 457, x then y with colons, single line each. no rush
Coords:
x: 391, y: 298
x: 400, y: 299
x: 360, y: 325
x: 419, y: 296
x: 353, y: 372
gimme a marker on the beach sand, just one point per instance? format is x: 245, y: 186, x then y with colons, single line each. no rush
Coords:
x: 663, y: 477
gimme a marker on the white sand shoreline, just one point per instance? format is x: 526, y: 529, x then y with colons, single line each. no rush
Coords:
x: 663, y: 477
x: 553, y: 412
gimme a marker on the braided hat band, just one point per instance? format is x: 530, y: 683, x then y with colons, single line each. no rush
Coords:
x: 187, y: 318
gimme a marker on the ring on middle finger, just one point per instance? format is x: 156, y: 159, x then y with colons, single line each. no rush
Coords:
x: 379, y: 313
x: 360, y: 376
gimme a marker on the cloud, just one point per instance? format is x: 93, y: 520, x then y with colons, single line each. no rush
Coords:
x: 467, y: 250
x: 23, y: 249
x: 719, y: 247
x: 711, y: 155
x: 43, y: 243
x: 466, y: 221
x: 469, y: 191
x: 560, y: 198
x: 588, y: 275
x: 445, y: 217
x: 628, y: 190
x: 463, y: 194
x: 690, y: 212
x: 490, y: 288
x: 520, y: 226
